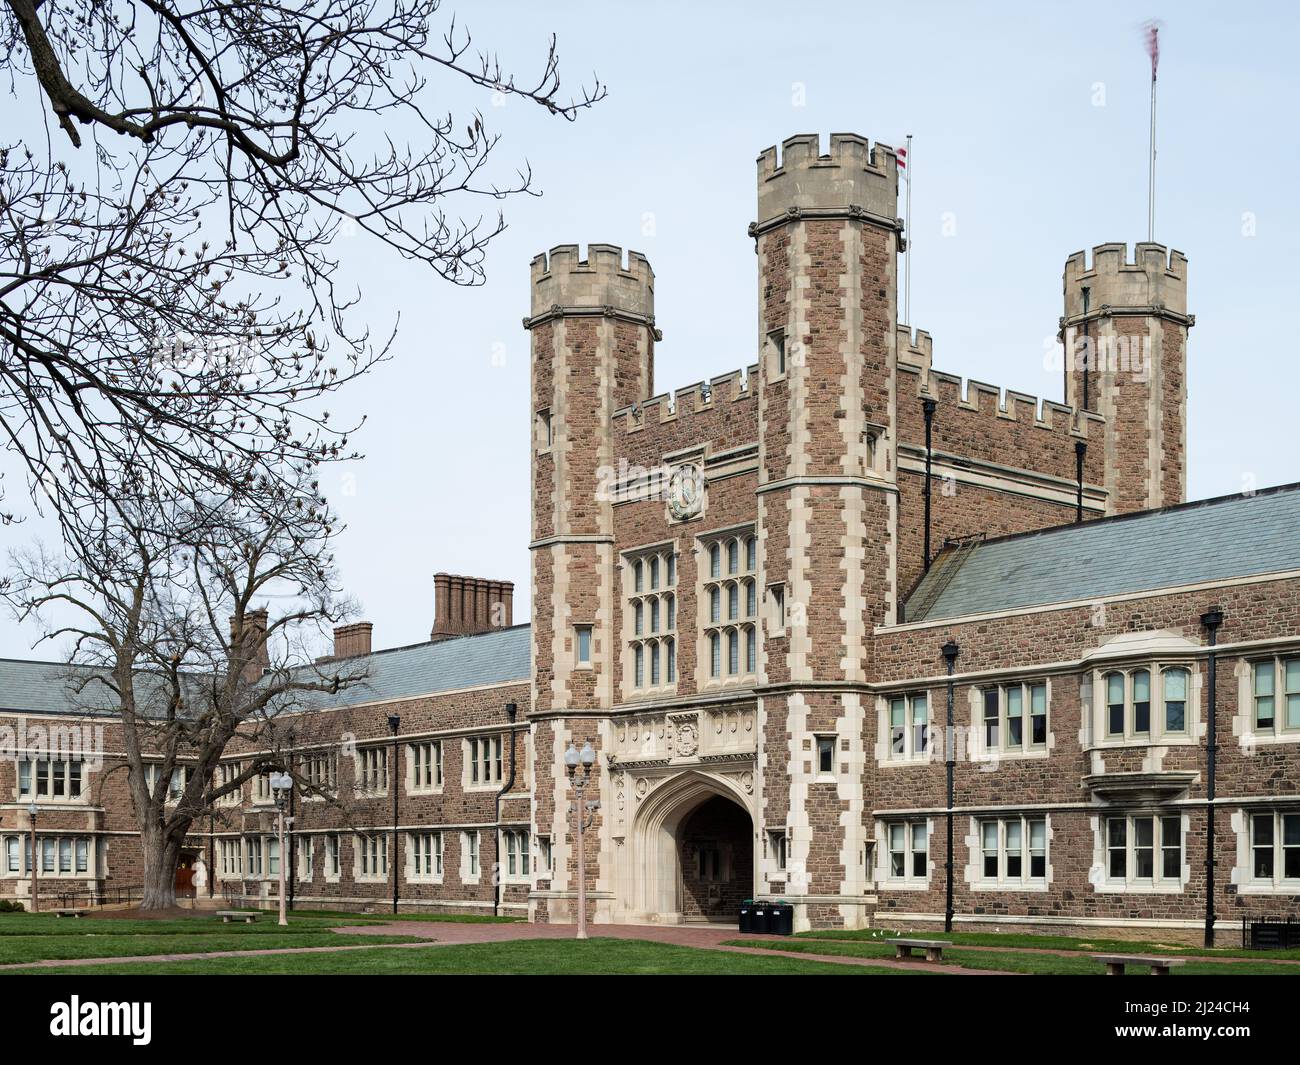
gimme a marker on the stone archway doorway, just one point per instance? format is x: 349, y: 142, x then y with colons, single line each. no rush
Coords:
x: 694, y: 843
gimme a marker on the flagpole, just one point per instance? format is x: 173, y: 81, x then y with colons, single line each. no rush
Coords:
x: 1153, y: 50
x: 1151, y: 180
x: 907, y: 250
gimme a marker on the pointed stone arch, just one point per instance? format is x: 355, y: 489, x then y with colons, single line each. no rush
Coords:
x: 655, y: 836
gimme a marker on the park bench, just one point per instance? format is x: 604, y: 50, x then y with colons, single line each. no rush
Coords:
x: 1115, y: 963
x: 933, y: 948
x: 236, y: 915
x: 69, y: 912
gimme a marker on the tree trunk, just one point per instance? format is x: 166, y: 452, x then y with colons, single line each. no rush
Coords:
x: 161, y: 854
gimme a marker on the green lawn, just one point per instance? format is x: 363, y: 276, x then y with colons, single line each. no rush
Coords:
x: 1011, y: 961
x: 18, y: 949
x: 526, y: 957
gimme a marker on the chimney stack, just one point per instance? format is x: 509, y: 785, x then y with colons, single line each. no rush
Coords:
x: 352, y: 640
x: 464, y: 606
x: 253, y: 644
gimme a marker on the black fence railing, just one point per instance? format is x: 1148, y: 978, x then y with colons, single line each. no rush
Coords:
x: 120, y: 896
x: 1270, y: 933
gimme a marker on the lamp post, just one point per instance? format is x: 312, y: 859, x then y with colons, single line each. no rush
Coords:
x: 1211, y: 619
x: 35, y: 859
x: 281, y: 785
x: 394, y: 723
x: 950, y: 652
x: 587, y: 758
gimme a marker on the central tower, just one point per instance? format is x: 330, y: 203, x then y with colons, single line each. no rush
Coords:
x: 827, y: 241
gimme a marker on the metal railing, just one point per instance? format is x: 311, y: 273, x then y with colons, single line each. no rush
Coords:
x: 118, y: 896
x: 1270, y: 933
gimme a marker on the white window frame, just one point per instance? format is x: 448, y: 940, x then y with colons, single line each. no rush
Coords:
x: 424, y: 757
x: 471, y: 856
x: 63, y: 856
x: 1159, y: 882
x: 68, y: 771
x: 371, y: 857
x: 1012, y: 838
x: 729, y: 614
x: 482, y: 762
x: 320, y: 769
x: 650, y: 602
x: 1006, y: 697
x: 227, y: 772
x: 1158, y: 731
x: 778, y: 852
x: 909, y: 878
x: 545, y: 856
x: 373, y: 771
x: 825, y: 743
x: 1285, y: 696
x: 424, y: 857
x: 517, y: 867
x: 911, y: 738
x: 306, y: 859
x: 333, y: 857
x: 230, y: 859
x: 1278, y: 847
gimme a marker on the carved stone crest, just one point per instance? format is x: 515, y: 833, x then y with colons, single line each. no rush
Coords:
x: 686, y: 491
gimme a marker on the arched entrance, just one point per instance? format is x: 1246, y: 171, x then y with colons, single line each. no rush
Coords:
x: 694, y: 850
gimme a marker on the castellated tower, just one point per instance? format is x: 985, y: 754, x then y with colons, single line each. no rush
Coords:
x: 593, y: 334
x: 827, y: 241
x: 1125, y: 334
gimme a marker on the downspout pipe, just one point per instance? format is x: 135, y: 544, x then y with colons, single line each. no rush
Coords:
x: 928, y: 407
x: 1211, y: 619
x: 511, y: 712
x: 950, y: 653
x: 1080, y: 449
x: 394, y: 723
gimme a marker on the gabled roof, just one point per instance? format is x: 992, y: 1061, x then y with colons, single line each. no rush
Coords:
x: 1210, y: 540
x: 420, y: 669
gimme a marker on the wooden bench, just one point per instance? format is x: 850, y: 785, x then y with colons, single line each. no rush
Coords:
x: 1115, y: 963
x: 933, y: 948
x: 69, y: 912
x: 236, y: 915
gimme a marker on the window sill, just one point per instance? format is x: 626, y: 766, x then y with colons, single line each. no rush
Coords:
x: 898, y: 762
x: 424, y: 791
x: 413, y: 879
x: 1117, y: 888
x: 489, y: 787
x: 1034, y: 886
x: 1265, y: 887
x: 914, y: 884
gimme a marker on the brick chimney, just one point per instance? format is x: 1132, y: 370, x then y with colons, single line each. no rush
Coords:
x: 255, y: 623
x: 466, y: 605
x: 352, y: 640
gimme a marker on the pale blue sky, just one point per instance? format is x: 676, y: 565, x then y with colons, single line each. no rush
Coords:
x: 1009, y: 142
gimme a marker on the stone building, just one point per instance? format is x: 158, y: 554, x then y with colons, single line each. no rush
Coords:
x: 786, y: 606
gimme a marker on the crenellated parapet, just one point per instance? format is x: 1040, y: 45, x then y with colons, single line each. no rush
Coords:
x: 565, y: 283
x: 1152, y: 281
x: 854, y: 178
x: 915, y: 350
x: 699, y: 398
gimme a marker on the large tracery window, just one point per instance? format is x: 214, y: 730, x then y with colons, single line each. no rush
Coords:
x: 652, y: 604
x: 730, y: 622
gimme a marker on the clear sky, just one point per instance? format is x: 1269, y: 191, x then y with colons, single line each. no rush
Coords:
x: 1030, y: 125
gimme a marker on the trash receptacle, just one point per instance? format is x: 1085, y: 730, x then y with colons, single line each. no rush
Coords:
x: 747, y: 915
x: 759, y: 918
x: 780, y: 920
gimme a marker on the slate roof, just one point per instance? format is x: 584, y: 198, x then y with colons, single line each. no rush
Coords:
x: 421, y: 669
x: 1214, y: 539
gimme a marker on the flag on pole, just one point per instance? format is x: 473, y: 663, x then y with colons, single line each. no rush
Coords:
x: 1152, y: 32
x: 901, y: 154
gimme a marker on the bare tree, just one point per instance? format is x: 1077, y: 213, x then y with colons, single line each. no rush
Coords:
x: 169, y: 316
x: 171, y: 639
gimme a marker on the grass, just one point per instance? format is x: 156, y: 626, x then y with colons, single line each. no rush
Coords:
x: 1010, y: 961
x: 525, y: 957
x: 1092, y: 945
x: 18, y: 949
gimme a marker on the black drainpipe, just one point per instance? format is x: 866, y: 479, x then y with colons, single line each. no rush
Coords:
x: 1211, y: 619
x: 394, y: 723
x: 292, y: 848
x: 1080, y: 449
x: 1086, y: 360
x: 212, y: 854
x: 511, y: 711
x: 928, y: 405
x: 950, y: 652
